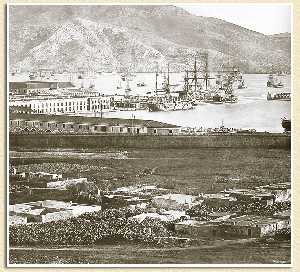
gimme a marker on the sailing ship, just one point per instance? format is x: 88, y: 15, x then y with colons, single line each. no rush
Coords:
x: 92, y: 84
x: 226, y: 82
x: 141, y: 84
x: 127, y: 89
x: 286, y: 124
x: 241, y: 82
x: 230, y: 97
x: 32, y: 76
x: 119, y: 86
x: 274, y: 81
x: 165, y: 100
x: 215, y: 94
x: 198, y: 87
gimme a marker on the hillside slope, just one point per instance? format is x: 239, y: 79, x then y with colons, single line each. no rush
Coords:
x: 136, y: 38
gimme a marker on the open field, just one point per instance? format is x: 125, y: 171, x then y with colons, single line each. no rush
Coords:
x: 180, y: 170
x: 239, y: 252
x: 184, y: 170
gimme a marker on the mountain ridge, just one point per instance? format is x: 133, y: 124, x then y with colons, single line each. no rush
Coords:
x: 136, y: 38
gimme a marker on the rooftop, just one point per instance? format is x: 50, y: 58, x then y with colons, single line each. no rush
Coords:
x: 90, y: 120
x: 179, y: 198
x: 48, y: 206
x: 251, y: 220
x: 39, y: 84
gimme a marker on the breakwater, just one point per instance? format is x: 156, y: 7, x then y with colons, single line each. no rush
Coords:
x: 257, y: 140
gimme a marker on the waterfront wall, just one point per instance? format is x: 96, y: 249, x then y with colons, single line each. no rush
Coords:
x: 268, y: 140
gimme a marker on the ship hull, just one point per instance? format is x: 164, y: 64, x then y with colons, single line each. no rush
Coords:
x: 279, y: 97
x: 286, y: 124
x: 153, y: 107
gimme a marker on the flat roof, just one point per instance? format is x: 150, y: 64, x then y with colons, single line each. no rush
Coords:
x: 251, y: 220
x: 39, y: 84
x: 91, y: 120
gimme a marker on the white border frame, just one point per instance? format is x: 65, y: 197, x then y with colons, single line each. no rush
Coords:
x: 9, y: 265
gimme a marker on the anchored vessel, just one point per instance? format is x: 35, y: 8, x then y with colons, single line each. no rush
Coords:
x: 275, y: 81
x: 286, y: 124
x: 165, y: 100
x: 226, y: 82
x: 279, y: 96
x: 241, y: 82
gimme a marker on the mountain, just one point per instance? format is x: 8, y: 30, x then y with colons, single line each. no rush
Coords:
x: 136, y: 38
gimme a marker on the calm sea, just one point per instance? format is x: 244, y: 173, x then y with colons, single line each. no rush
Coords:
x: 252, y: 110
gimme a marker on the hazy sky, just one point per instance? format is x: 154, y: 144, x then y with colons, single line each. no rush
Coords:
x: 263, y: 18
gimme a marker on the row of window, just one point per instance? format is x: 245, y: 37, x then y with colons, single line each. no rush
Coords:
x: 85, y: 127
x: 42, y: 105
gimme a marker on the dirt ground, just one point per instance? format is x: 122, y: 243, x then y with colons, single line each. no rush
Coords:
x: 182, y: 170
x: 240, y: 252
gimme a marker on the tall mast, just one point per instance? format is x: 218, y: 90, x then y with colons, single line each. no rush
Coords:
x: 156, y: 75
x: 195, y: 73
x: 206, y: 71
x: 186, y: 79
x: 168, y: 78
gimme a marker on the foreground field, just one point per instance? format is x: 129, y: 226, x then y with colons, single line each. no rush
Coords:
x: 241, y: 252
x: 184, y: 170
x: 190, y: 171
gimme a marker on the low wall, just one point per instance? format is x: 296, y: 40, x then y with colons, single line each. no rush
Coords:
x: 263, y: 140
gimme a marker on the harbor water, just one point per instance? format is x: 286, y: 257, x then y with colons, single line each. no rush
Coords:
x: 253, y: 110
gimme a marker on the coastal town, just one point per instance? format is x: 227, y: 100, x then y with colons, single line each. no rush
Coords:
x: 44, y: 204
x: 132, y: 154
x: 263, y: 211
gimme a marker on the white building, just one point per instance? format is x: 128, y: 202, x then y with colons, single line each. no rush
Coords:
x: 59, y: 105
x: 47, y: 211
x: 173, y: 201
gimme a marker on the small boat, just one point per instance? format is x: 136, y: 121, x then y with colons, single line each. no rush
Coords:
x: 278, y: 85
x: 170, y: 106
x: 141, y: 84
x: 153, y: 107
x: 286, y: 124
x: 241, y: 84
x: 279, y: 96
x: 231, y: 99
x: 214, y: 99
x: 32, y: 76
x: 274, y: 81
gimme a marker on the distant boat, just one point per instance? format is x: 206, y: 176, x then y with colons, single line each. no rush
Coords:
x: 278, y: 85
x: 141, y: 84
x: 32, y: 76
x: 170, y: 106
x: 214, y: 99
x: 286, y: 124
x: 123, y: 77
x: 231, y: 99
x: 241, y: 84
x: 274, y: 81
x: 279, y: 96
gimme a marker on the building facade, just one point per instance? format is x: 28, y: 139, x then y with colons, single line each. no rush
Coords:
x: 42, y: 123
x: 55, y: 105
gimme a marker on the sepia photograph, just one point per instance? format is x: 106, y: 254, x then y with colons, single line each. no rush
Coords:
x: 149, y: 135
